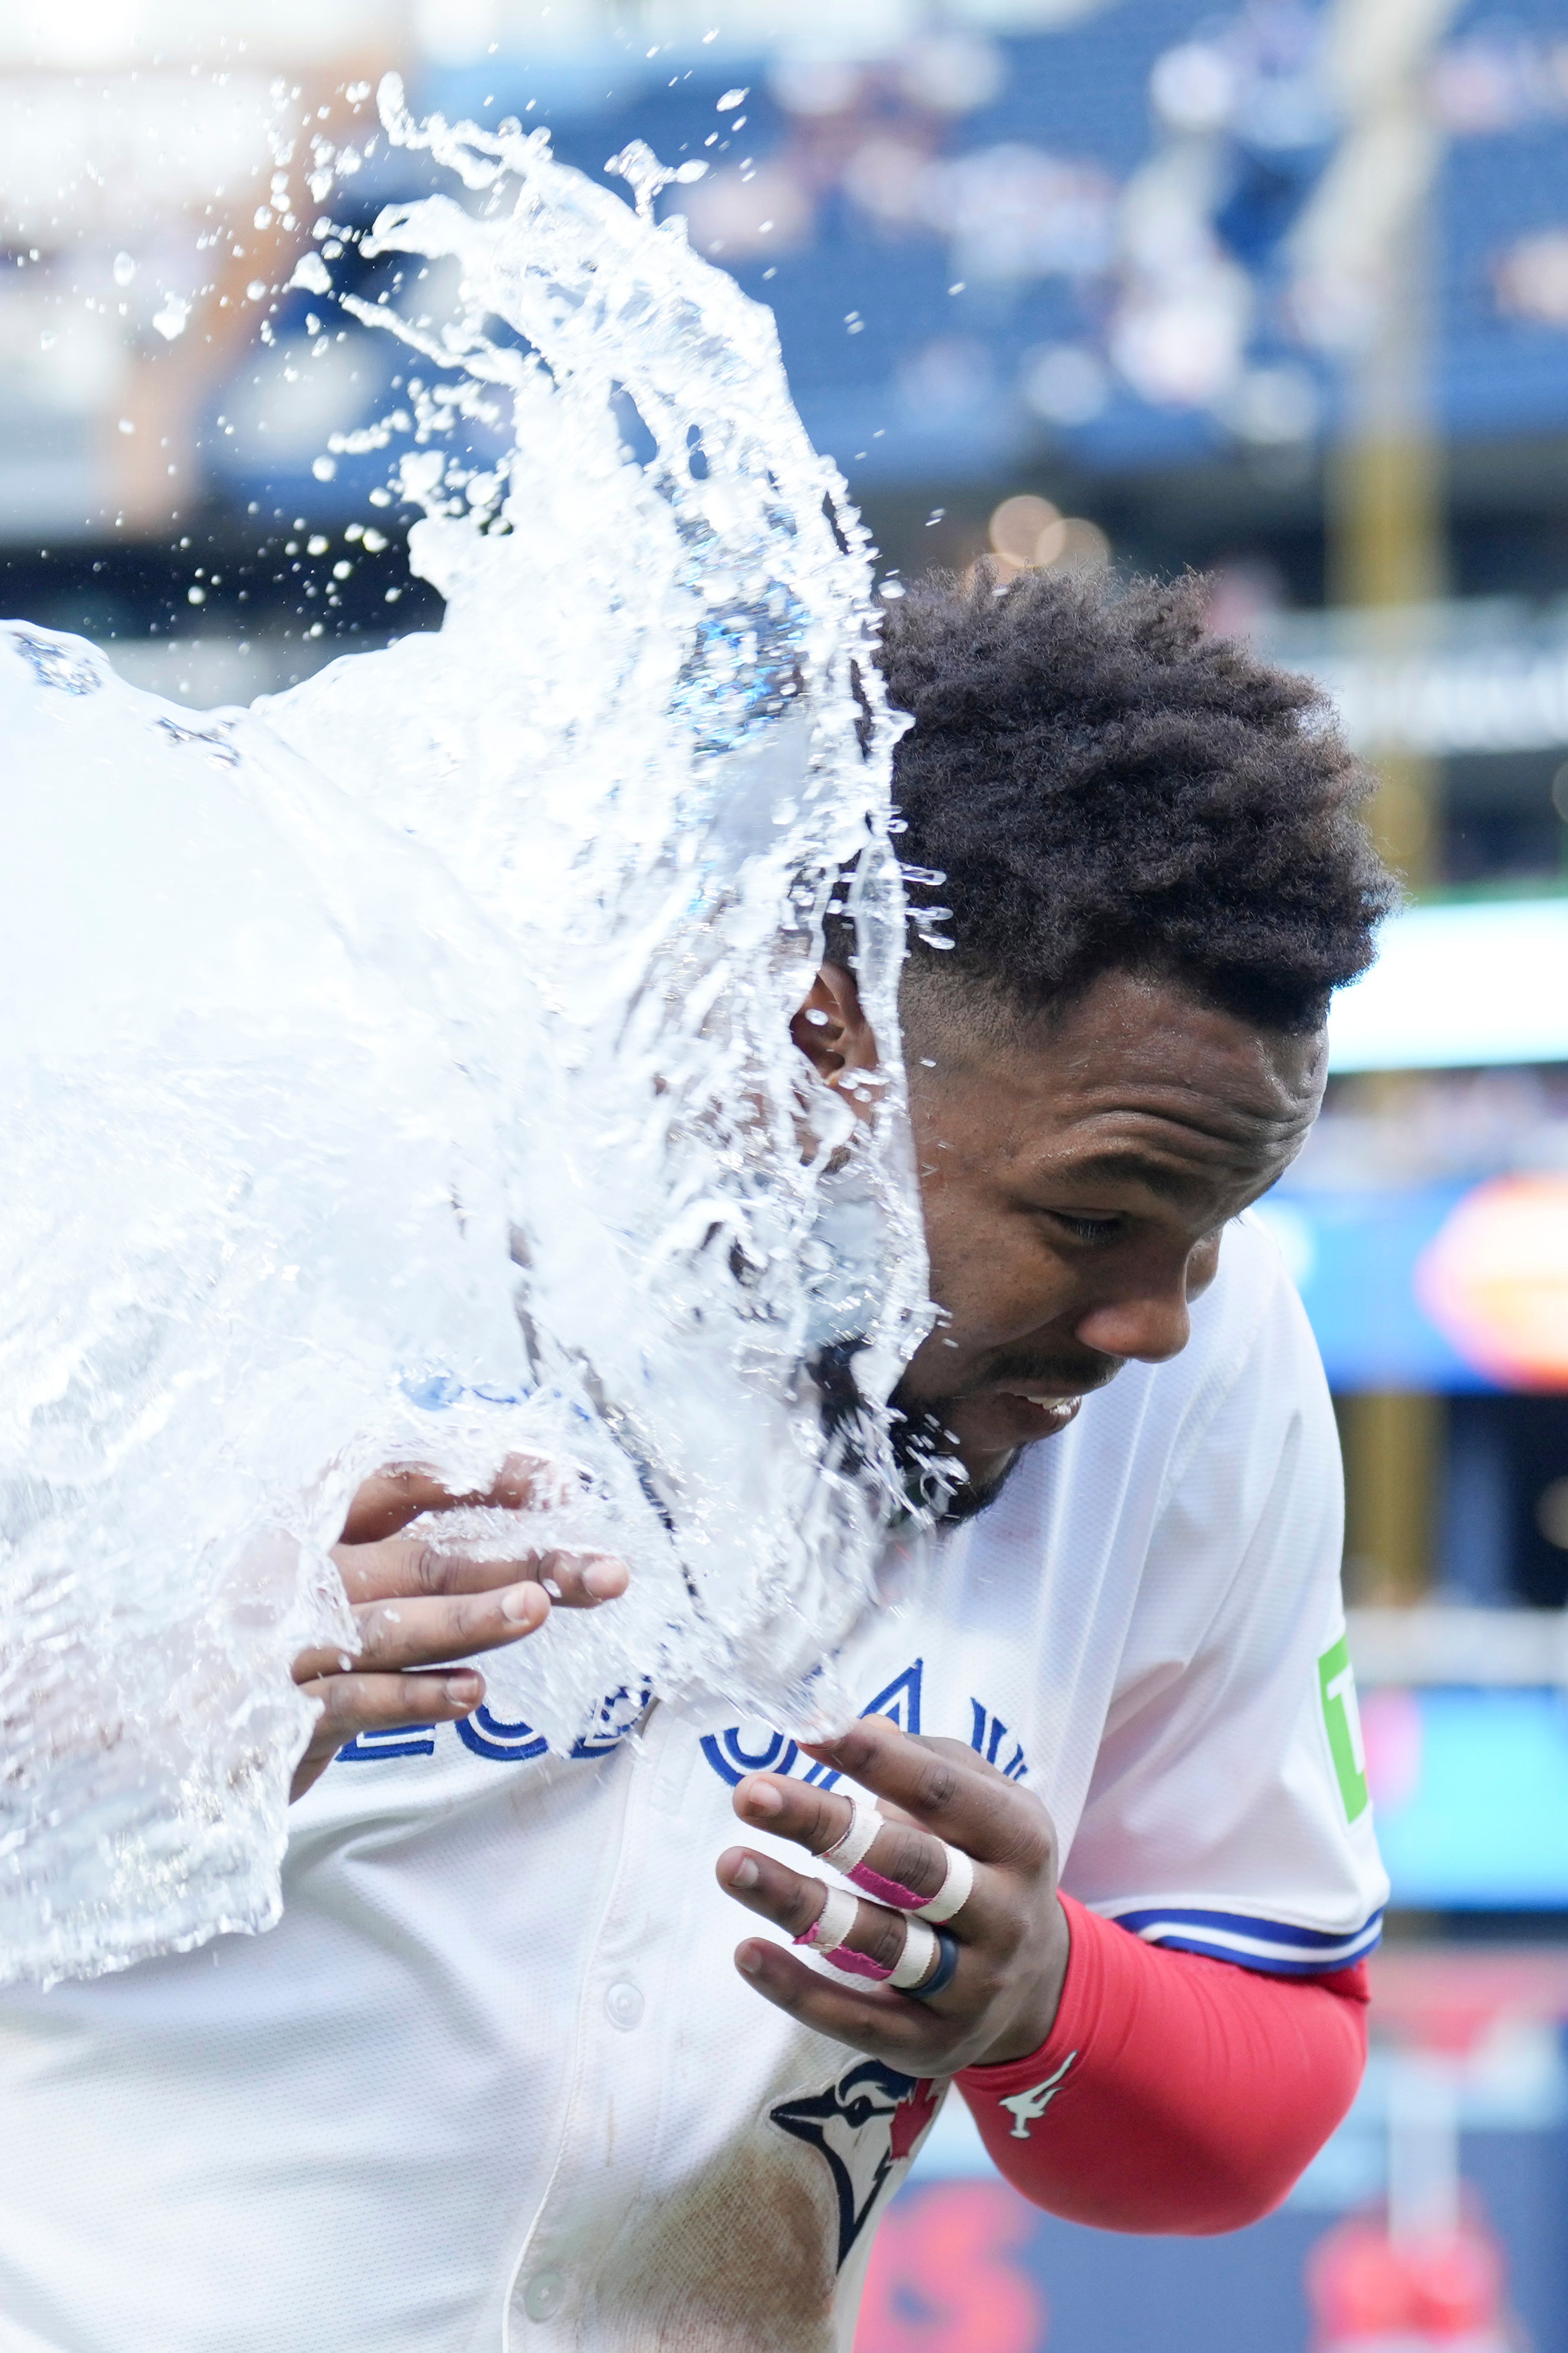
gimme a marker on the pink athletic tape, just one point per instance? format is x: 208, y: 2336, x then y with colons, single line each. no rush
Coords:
x: 856, y: 1965
x: 886, y: 1890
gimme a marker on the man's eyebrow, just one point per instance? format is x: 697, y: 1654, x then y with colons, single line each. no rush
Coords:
x: 1129, y: 1167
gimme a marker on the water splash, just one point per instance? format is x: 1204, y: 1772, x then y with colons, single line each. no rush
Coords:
x: 437, y: 1018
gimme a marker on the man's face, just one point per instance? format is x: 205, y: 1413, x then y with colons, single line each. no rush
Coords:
x: 1077, y: 1171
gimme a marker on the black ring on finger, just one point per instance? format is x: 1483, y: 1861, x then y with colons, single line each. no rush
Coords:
x: 941, y: 1976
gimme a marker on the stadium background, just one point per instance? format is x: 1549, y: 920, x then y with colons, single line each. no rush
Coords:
x: 1280, y: 291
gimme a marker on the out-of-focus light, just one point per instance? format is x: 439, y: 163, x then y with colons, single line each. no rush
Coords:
x: 1195, y: 88
x: 1495, y: 1280
x: 117, y: 156
x: 1084, y: 547
x: 87, y: 33
x: 1065, y: 385
x: 290, y: 400
x: 1181, y: 332
x: 1242, y: 595
x: 1456, y: 988
x: 1552, y: 1513
x: 952, y: 73
x: 1475, y: 87
x: 83, y: 35
x: 815, y: 86
x: 1027, y: 533
x: 1497, y: 81
x: 884, y: 177
x: 1018, y: 525
x: 949, y: 377
x: 735, y: 215
x: 1014, y: 212
x: 1273, y: 406
x: 456, y: 32
x: 1531, y: 278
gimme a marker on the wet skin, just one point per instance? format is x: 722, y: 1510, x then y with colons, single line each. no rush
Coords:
x: 1077, y: 1171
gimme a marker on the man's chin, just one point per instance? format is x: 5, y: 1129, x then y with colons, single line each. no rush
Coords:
x: 960, y: 1452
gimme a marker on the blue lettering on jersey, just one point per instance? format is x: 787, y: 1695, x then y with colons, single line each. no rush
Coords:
x: 505, y: 1743
x: 731, y: 1759
x: 395, y: 1740
x: 618, y: 1714
x: 988, y: 1739
x: 433, y: 1392
x: 732, y: 1754
x: 488, y: 1735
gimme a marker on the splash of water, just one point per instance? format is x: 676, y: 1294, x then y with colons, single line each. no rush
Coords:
x: 405, y: 1075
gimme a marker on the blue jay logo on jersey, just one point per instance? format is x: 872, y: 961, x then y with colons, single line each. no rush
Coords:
x: 748, y: 1748
x: 863, y: 2126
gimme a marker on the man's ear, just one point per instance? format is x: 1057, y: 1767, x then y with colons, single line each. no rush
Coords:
x: 835, y: 1035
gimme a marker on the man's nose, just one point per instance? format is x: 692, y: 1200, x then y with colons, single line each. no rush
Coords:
x: 1150, y: 1325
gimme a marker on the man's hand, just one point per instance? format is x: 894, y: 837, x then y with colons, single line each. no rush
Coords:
x: 417, y: 1608
x: 1012, y: 1933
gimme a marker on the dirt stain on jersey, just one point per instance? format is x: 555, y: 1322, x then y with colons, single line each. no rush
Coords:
x: 740, y: 2261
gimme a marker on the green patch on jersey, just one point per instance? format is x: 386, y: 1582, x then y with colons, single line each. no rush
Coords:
x: 1336, y: 1681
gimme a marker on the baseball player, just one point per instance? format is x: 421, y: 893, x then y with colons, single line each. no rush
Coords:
x: 1097, y: 1857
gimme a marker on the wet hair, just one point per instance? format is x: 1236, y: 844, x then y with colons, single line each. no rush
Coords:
x: 1102, y: 785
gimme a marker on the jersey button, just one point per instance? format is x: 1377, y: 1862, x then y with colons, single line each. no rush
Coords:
x: 624, y: 2005
x: 545, y: 2295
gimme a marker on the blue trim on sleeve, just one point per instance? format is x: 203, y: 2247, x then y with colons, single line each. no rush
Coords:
x: 1277, y: 1947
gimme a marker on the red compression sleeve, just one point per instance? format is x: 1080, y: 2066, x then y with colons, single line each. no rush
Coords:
x: 1174, y: 2093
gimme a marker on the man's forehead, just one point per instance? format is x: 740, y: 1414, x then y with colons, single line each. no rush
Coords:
x: 1151, y: 1104
x: 1140, y: 1072
x: 1189, y: 1171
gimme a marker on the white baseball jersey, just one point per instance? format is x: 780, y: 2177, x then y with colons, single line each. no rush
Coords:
x: 494, y: 2081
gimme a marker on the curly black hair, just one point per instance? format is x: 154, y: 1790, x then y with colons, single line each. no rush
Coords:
x: 1101, y: 784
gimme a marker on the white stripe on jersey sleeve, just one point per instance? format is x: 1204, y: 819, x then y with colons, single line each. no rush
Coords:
x: 1277, y: 1948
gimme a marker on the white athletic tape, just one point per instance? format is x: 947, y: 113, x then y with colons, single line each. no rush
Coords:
x: 955, y: 1890
x: 916, y: 1960
x: 857, y: 1841
x: 833, y: 1923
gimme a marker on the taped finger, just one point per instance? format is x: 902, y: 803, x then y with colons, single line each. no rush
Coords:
x: 851, y: 1856
x: 840, y: 1919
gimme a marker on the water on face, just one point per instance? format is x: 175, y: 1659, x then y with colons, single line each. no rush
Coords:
x: 400, y: 1072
